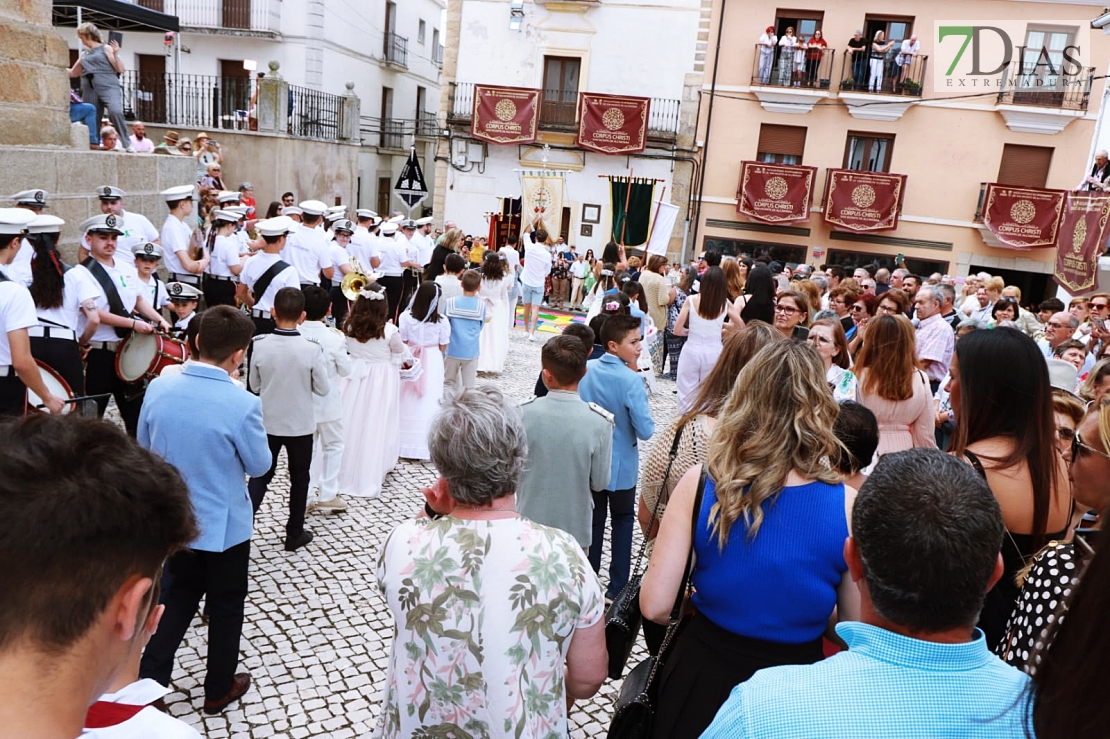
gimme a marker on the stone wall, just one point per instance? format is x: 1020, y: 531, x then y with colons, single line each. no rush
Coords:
x: 71, y: 179
x: 276, y: 163
x: 34, y: 96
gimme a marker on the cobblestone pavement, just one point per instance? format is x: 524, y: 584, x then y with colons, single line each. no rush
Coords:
x: 317, y: 634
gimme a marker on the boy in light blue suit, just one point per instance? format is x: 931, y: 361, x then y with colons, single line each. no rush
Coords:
x: 612, y: 384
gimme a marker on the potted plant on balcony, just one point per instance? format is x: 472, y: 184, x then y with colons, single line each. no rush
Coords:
x: 911, y: 87
x: 848, y: 84
x: 823, y: 84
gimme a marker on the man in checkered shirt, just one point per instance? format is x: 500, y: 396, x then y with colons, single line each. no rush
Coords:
x: 936, y: 341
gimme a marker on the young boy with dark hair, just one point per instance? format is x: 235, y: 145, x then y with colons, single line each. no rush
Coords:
x: 467, y: 314
x: 555, y: 488
x: 583, y: 333
x: 83, y: 539
x: 327, y: 440
x: 610, y: 383
x: 287, y: 370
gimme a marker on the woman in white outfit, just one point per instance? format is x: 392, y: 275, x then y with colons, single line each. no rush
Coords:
x: 879, y: 48
x: 767, y: 44
x: 494, y: 341
x: 426, y: 333
x: 786, y: 58
x: 701, y: 319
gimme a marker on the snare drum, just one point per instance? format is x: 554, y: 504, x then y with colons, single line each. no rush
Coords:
x: 143, y: 356
x: 55, y: 385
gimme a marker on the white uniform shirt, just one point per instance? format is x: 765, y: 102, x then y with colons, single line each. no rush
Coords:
x: 412, y: 249
x: 393, y: 252
x: 307, y: 250
x: 537, y: 265
x: 147, y: 723
x: 339, y: 257
x: 175, y: 238
x: 79, y: 286
x: 364, y: 246
x: 329, y: 407
x: 20, y: 268
x: 225, y: 254
x: 425, y: 246
x: 255, y: 267
x: 182, y: 324
x: 512, y: 258
x: 137, y: 229
x: 243, y: 240
x: 126, y: 280
x: 17, y: 310
x: 154, y: 291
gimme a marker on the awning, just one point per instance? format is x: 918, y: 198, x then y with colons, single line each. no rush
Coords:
x: 113, y: 15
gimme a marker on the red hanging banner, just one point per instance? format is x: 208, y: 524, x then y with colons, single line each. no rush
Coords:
x: 1080, y: 238
x: 775, y: 193
x: 863, y: 201
x: 1023, y: 217
x: 612, y: 124
x: 505, y: 115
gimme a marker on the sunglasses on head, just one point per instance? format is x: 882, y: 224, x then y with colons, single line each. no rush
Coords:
x: 1077, y: 445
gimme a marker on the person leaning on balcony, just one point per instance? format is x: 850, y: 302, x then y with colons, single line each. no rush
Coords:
x: 1100, y: 173
x: 910, y: 48
x: 857, y: 52
x: 815, y: 51
x: 786, y: 57
x: 767, y: 43
x: 99, y: 68
x: 879, y: 48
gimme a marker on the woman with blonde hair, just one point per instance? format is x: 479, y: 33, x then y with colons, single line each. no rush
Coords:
x: 893, y: 387
x: 99, y: 68
x: 771, y: 520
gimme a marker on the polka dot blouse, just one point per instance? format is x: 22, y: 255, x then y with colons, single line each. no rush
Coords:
x: 1041, y: 604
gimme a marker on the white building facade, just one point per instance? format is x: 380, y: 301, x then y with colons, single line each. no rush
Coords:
x: 563, y: 48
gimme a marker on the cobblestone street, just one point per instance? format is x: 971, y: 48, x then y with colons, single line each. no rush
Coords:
x: 317, y: 634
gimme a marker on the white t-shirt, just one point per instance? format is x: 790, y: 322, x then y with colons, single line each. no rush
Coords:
x: 512, y: 258
x: 175, y: 238
x: 225, y: 254
x: 306, y: 249
x: 392, y: 253
x: 578, y: 269
x: 79, y: 286
x: 339, y: 257
x: 20, y: 268
x: 425, y: 246
x: 364, y: 246
x: 154, y: 291
x: 137, y: 229
x: 537, y: 265
x: 126, y: 280
x: 17, y: 310
x: 149, y: 722
x: 255, y: 267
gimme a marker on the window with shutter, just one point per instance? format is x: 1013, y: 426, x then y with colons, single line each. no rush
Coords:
x: 781, y: 144
x: 1024, y: 166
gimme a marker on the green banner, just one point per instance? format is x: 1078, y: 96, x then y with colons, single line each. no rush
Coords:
x: 631, y: 225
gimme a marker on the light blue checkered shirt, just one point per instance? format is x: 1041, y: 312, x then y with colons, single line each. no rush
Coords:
x: 886, y: 686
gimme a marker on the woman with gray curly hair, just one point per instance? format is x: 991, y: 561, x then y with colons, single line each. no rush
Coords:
x: 498, y: 620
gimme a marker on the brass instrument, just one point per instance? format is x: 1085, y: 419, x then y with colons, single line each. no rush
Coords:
x: 354, y: 281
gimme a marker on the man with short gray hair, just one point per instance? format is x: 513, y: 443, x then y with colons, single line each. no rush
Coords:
x: 882, y: 280
x: 935, y: 339
x: 1096, y: 181
x: 917, y: 665
x: 948, y: 310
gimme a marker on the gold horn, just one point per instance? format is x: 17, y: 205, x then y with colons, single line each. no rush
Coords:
x: 352, y: 285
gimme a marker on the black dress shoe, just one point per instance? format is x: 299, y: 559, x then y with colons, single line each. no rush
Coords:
x: 292, y: 545
x: 241, y: 685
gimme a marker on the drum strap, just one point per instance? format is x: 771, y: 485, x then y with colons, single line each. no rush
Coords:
x: 115, y: 303
x: 4, y: 277
x: 267, y: 277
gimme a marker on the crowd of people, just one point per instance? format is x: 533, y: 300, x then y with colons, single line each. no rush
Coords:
x: 891, y: 464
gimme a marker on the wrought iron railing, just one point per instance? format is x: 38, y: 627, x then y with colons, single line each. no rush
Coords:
x: 462, y: 101
x: 883, y: 76
x: 233, y: 15
x: 397, y: 133
x: 314, y: 114
x: 188, y: 100
x: 777, y: 66
x: 1046, y: 85
x: 982, y: 200
x: 396, y: 49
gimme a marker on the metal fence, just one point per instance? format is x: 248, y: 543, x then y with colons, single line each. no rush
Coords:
x: 1045, y: 85
x: 246, y: 15
x: 860, y: 73
x: 462, y: 101
x: 314, y: 114
x: 777, y: 66
x: 396, y: 49
x: 188, y: 100
x: 397, y: 133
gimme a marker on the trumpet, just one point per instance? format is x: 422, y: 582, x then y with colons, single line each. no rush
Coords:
x: 354, y: 281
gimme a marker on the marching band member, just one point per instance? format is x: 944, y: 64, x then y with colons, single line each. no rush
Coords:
x: 364, y: 240
x: 20, y: 269
x: 414, y: 269
x: 183, y: 302
x: 423, y: 240
x: 18, y: 370
x: 137, y: 228
x: 226, y: 262
x: 147, y: 258
x: 118, y: 297
x: 266, y: 273
x: 307, y: 245
x: 176, y: 234
x: 394, y: 261
x: 340, y: 256
x: 63, y: 296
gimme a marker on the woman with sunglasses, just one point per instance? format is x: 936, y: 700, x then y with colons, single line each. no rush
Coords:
x: 1005, y: 428
x: 791, y: 310
x: 1056, y: 567
x: 862, y: 311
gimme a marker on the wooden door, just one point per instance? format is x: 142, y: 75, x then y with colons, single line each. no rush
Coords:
x: 150, y: 94
x: 236, y: 13
x: 235, y: 92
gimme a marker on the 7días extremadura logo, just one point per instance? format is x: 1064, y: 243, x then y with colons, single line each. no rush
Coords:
x: 996, y: 54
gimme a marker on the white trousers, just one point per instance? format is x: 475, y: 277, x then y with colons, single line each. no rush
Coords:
x: 875, y: 83
x: 327, y: 452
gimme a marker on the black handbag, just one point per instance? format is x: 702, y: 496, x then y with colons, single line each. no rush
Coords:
x: 635, y: 708
x: 623, y: 617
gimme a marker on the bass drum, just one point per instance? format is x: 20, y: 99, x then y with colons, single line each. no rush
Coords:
x: 58, y: 387
x: 144, y: 356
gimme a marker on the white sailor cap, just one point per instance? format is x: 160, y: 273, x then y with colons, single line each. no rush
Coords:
x: 426, y: 221
x: 337, y: 209
x: 227, y: 196
x: 276, y: 226
x: 291, y: 210
x: 396, y: 219
x: 45, y: 224
x: 15, y: 220
x: 182, y: 293
x: 239, y: 210
x: 180, y: 192
x: 104, y: 223
x: 109, y: 192
x: 34, y: 198
x: 147, y: 250
x: 332, y: 217
x: 389, y: 228
x: 313, y: 207
x: 343, y: 224
x: 408, y: 223
x: 365, y: 213
x: 226, y: 215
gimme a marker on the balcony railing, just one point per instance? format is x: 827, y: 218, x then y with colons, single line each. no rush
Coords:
x: 427, y: 125
x: 397, y: 133
x: 396, y: 49
x: 188, y: 100
x: 884, y: 76
x: 232, y: 15
x: 982, y: 200
x: 462, y: 102
x: 558, y: 109
x: 314, y: 114
x: 437, y: 55
x: 775, y: 66
x: 1045, y: 85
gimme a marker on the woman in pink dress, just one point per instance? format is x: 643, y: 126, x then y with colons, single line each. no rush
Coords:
x: 892, y: 386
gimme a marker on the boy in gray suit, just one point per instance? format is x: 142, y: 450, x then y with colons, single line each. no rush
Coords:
x: 570, y: 443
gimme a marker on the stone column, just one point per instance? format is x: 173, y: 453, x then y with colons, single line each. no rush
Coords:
x: 273, y: 102
x: 351, y: 116
x: 34, y: 99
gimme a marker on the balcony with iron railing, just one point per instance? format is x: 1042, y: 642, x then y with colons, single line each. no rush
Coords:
x: 859, y: 73
x: 396, y: 50
x: 1044, y: 85
x: 775, y: 66
x: 437, y: 55
x: 397, y: 133
x: 223, y: 16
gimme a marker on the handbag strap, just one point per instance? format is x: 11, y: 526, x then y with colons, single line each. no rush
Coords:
x: 658, y: 499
